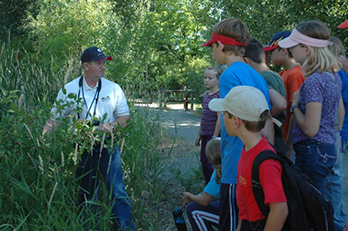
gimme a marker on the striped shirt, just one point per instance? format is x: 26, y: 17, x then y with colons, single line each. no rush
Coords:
x: 209, y: 117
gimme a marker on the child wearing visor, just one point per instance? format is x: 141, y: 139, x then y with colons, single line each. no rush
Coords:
x: 318, y: 103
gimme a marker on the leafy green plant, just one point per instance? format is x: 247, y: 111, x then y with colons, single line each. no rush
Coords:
x: 38, y: 178
x: 38, y: 187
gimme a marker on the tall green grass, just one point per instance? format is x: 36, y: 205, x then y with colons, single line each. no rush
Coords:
x: 38, y: 188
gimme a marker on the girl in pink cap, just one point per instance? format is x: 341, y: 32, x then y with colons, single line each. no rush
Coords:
x: 318, y: 102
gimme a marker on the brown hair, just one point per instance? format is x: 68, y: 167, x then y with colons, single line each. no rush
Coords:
x: 213, y: 153
x: 233, y: 28
x: 253, y: 126
x: 255, y: 52
x: 320, y: 58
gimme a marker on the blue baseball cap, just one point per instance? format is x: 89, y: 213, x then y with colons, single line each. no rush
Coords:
x: 273, y: 44
x: 94, y: 54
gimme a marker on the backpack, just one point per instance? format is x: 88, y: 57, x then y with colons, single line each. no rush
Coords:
x: 308, y: 210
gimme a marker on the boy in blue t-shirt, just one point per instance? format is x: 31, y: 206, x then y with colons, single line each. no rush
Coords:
x: 229, y: 39
x: 202, y: 210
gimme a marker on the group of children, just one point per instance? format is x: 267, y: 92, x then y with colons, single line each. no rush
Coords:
x: 306, y: 97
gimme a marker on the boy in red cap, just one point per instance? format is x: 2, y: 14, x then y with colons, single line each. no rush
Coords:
x: 229, y: 39
x: 292, y: 77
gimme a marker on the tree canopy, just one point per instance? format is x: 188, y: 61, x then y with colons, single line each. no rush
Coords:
x: 155, y: 44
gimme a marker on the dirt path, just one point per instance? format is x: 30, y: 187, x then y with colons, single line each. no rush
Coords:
x: 182, y: 127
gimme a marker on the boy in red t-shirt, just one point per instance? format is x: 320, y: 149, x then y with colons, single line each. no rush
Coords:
x: 246, y: 111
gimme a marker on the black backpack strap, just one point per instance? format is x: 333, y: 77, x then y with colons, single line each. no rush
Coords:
x: 255, y: 178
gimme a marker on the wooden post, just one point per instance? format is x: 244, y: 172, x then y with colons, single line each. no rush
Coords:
x: 185, y: 99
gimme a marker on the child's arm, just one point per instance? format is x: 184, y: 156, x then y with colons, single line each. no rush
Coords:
x: 198, y: 138
x: 271, y: 183
x: 203, y: 200
x: 239, y: 225
x: 277, y: 216
x: 309, y: 122
x: 288, y: 142
x: 278, y: 102
x: 341, y: 113
x: 217, y: 125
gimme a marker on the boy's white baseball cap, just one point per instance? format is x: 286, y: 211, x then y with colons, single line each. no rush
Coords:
x: 244, y: 102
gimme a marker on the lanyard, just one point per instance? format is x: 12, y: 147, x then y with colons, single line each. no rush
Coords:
x: 95, y: 98
x: 84, y: 99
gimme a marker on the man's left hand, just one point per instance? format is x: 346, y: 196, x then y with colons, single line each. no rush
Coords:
x: 108, y: 127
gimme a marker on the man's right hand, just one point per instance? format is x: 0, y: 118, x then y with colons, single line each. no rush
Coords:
x: 49, y: 126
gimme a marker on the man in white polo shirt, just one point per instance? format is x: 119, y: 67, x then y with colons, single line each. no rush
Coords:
x: 100, y: 98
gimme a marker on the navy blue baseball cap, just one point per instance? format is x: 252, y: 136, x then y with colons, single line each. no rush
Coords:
x: 94, y: 54
x: 273, y: 44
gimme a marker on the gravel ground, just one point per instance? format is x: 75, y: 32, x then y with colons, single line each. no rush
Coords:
x: 182, y: 126
x: 178, y: 122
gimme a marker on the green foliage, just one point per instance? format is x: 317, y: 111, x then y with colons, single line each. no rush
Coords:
x: 266, y: 17
x: 156, y: 45
x: 34, y: 176
x: 192, y: 182
x: 35, y: 85
x: 38, y: 186
x: 14, y: 18
x: 196, y: 79
x: 144, y: 167
x: 64, y: 28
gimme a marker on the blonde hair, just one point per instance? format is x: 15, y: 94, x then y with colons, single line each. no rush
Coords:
x: 337, y: 47
x: 233, y: 28
x: 213, y: 153
x: 216, y: 69
x: 320, y: 58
